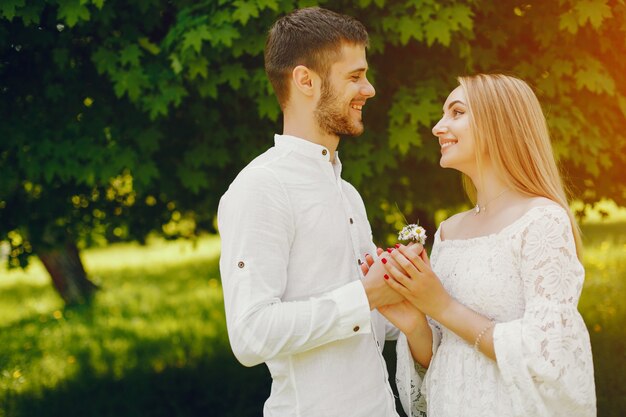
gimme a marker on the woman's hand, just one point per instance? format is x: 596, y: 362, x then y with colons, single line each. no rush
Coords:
x: 377, y: 291
x: 404, y: 315
x: 412, y: 276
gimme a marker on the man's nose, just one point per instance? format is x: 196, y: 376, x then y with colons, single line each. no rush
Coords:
x: 367, y: 89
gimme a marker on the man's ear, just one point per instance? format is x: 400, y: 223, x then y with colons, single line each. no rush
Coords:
x: 304, y: 80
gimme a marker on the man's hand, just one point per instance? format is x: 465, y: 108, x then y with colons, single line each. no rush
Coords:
x: 379, y: 293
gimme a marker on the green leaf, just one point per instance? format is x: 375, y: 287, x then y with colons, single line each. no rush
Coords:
x: 131, y: 82
x: 461, y: 15
x: 411, y: 108
x: 594, y: 11
x: 130, y: 55
x: 73, y: 11
x: 267, y: 4
x: 157, y: 105
x: 233, y: 74
x: 194, y: 37
x: 149, y: 46
x: 8, y: 8
x: 437, y: 30
x: 267, y: 106
x: 98, y: 3
x: 31, y: 14
x: 192, y: 179
x: 145, y: 172
x: 407, y: 28
x: 594, y: 81
x: 176, y: 65
x: 561, y: 67
x: 174, y: 93
x: 198, y: 156
x: 198, y: 66
x: 105, y: 60
x: 225, y: 35
x: 568, y: 22
x: 592, y: 75
x: 208, y: 88
x: 244, y: 11
x: 402, y: 137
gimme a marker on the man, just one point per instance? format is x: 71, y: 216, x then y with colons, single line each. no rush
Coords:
x: 294, y: 234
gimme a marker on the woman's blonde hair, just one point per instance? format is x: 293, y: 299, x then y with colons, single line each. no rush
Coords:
x: 510, y: 127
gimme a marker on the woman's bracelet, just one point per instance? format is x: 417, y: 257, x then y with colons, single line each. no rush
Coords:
x: 481, y: 334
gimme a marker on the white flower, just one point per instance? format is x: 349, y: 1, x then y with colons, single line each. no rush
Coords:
x: 414, y: 233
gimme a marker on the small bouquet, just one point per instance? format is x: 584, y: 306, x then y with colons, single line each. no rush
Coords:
x: 413, y: 233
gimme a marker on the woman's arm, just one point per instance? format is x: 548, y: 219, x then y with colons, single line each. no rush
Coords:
x: 417, y: 282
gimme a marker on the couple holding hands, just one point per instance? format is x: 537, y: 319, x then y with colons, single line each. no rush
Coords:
x: 486, y: 326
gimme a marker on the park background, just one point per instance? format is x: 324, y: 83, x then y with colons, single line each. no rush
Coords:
x: 123, y: 122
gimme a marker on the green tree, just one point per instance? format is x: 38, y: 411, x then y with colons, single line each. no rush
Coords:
x: 124, y: 118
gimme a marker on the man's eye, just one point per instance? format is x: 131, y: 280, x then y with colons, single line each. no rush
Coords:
x: 355, y: 78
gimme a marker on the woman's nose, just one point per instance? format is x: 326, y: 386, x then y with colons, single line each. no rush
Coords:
x: 439, y: 128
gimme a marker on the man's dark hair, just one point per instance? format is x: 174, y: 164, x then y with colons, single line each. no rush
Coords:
x: 311, y: 37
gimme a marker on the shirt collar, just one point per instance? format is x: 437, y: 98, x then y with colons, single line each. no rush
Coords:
x: 304, y: 147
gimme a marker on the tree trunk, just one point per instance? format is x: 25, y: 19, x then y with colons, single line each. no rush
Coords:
x: 68, y: 275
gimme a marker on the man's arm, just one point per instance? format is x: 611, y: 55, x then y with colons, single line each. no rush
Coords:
x: 256, y: 226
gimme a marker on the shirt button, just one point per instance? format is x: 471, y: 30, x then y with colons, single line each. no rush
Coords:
x: 241, y: 264
x: 351, y: 221
x: 324, y: 152
x: 356, y: 329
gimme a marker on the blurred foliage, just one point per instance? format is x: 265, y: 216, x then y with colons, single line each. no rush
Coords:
x: 121, y: 118
x: 154, y: 343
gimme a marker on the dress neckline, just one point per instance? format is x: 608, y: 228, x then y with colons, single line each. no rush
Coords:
x: 499, y: 232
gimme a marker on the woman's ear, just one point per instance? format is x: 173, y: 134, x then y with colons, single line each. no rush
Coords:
x: 304, y: 80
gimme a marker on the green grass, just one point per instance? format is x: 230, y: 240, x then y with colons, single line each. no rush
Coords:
x: 153, y: 342
x: 603, y: 307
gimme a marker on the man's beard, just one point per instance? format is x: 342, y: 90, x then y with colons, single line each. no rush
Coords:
x: 330, y: 117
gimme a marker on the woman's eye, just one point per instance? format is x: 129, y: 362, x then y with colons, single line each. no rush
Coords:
x: 457, y: 112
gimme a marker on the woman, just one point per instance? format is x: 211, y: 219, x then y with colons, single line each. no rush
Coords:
x: 503, y: 335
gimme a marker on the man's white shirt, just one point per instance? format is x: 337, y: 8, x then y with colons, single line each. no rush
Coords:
x: 293, y: 234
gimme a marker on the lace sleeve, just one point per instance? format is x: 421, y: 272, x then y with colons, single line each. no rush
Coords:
x: 545, y: 357
x: 410, y: 375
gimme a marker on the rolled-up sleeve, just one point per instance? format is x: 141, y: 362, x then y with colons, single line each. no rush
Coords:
x: 256, y: 226
x: 545, y: 356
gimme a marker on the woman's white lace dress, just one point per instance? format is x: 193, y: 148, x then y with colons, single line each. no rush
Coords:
x: 528, y: 279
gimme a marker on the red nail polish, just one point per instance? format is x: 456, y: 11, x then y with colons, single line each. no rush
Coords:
x: 389, y: 250
x: 384, y: 260
x: 386, y: 276
x: 397, y: 245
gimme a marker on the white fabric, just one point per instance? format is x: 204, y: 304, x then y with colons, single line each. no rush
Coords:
x: 528, y: 279
x: 292, y: 233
